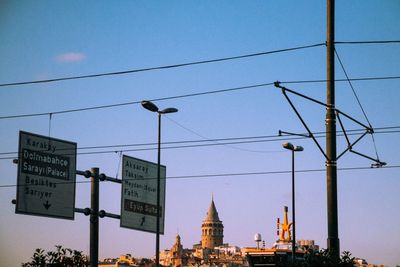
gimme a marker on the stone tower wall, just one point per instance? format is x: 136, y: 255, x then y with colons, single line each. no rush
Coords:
x: 212, y: 234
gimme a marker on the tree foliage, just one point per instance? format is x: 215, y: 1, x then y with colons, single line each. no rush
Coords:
x: 61, y: 257
x: 324, y: 258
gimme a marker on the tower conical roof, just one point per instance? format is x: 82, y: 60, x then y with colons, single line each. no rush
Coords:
x: 212, y: 213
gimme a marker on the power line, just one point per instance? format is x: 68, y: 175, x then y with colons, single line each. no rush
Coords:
x: 276, y: 172
x: 189, y: 63
x: 235, y: 174
x: 352, y: 88
x: 215, y: 140
x: 192, y: 95
x: 371, y: 42
x: 162, y: 67
x: 183, y: 144
x: 169, y: 143
x: 359, y: 102
x: 206, y: 139
x: 208, y: 142
x: 343, y: 80
x: 138, y: 102
x: 232, y: 140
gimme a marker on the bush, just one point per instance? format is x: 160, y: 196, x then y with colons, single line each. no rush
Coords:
x: 324, y: 258
x: 61, y: 257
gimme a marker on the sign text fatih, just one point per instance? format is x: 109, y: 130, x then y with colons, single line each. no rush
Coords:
x: 139, y: 195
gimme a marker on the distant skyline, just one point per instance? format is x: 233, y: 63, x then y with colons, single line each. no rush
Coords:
x: 224, y: 139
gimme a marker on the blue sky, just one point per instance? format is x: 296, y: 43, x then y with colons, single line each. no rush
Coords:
x: 48, y: 39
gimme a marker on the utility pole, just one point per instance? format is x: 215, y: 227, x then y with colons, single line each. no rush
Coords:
x: 331, y: 168
x: 94, y: 219
x: 331, y: 157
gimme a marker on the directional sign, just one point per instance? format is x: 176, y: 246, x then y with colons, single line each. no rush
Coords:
x: 46, y: 176
x: 139, y: 195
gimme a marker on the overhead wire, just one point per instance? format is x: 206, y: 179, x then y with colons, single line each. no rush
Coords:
x: 204, y: 143
x: 201, y: 93
x: 182, y: 65
x: 165, y: 143
x: 138, y: 102
x: 191, y: 95
x: 162, y: 67
x: 369, y: 42
x: 206, y: 139
x: 192, y: 63
x: 202, y: 176
x: 379, y: 130
x: 342, y: 80
x: 352, y: 87
x: 359, y: 102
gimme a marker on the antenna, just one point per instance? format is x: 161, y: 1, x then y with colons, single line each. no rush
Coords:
x: 277, y: 226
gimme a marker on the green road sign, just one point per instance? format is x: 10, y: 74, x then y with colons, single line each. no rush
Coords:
x: 46, y: 176
x: 139, y: 195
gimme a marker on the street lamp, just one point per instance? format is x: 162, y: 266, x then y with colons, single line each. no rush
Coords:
x: 153, y: 108
x: 293, y: 148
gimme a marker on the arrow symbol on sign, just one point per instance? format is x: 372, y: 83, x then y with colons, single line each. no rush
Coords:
x: 47, y: 205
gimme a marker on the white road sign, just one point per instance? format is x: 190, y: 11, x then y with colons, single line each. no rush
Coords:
x: 46, y: 176
x: 139, y: 195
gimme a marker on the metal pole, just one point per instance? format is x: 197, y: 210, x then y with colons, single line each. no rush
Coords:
x: 94, y: 219
x: 293, y: 215
x: 331, y: 168
x: 158, y: 193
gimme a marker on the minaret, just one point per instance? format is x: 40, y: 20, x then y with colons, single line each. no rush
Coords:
x: 176, y: 252
x: 212, y: 229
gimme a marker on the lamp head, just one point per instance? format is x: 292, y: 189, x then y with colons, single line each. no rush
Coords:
x: 298, y: 148
x: 168, y: 110
x: 149, y: 106
x: 288, y: 146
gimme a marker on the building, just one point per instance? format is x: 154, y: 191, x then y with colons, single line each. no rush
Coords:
x: 281, y: 254
x: 210, y: 251
x: 123, y: 261
x: 212, y: 229
x: 307, y: 244
x: 176, y: 256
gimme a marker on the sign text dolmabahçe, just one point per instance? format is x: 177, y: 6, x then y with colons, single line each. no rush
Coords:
x: 44, y: 164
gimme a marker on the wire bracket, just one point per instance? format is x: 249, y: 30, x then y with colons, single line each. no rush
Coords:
x: 339, y: 115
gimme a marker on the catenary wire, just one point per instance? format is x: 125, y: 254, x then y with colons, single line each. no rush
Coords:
x: 192, y: 63
x: 352, y: 87
x: 233, y: 174
x: 359, y: 103
x: 370, y: 42
x: 277, y: 138
x: 342, y: 80
x: 208, y: 142
x: 206, y: 139
x: 192, y: 95
x: 162, y: 67
x: 138, y: 102
x: 302, y: 135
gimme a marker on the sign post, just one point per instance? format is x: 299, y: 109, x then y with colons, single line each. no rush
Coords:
x: 139, y: 195
x: 46, y: 176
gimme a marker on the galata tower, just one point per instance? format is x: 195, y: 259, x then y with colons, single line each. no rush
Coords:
x: 212, y: 229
